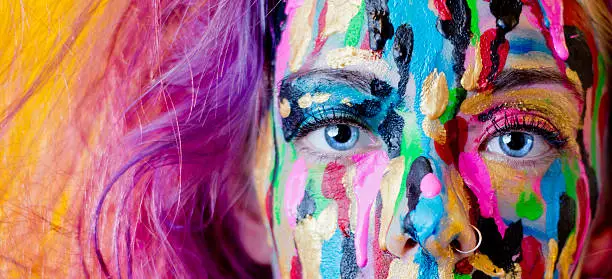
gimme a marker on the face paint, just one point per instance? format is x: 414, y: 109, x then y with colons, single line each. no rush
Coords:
x: 404, y: 127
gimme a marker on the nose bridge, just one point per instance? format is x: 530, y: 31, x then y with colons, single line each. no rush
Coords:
x: 432, y: 217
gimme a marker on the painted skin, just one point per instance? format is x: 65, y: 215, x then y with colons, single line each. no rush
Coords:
x: 467, y: 113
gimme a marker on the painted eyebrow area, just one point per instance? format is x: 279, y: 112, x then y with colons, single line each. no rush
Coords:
x: 355, y: 79
x: 514, y: 78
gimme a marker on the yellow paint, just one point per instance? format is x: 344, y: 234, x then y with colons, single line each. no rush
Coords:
x: 435, y: 95
x: 305, y: 101
x: 309, y: 236
x: 320, y: 97
x: 300, y: 34
x: 484, y: 264
x: 347, y: 56
x: 469, y: 80
x: 435, y: 130
x: 346, y: 101
x: 553, y: 250
x: 339, y: 14
x: 264, y: 158
x: 403, y: 269
x: 389, y: 191
x: 347, y: 181
x: 566, y: 259
x: 284, y: 108
x: 328, y: 221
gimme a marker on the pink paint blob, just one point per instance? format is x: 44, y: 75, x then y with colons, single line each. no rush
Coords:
x: 430, y: 186
x: 554, y: 12
x: 294, y: 189
x: 476, y: 177
x: 370, y: 169
x: 283, y: 50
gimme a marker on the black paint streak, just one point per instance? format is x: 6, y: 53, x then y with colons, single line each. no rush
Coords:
x: 580, y: 58
x: 457, y: 31
x: 497, y: 42
x: 380, y: 28
x: 390, y: 131
x: 480, y: 275
x: 402, y: 54
x: 419, y: 168
x: 307, y: 206
x: 567, y: 220
x: 501, y: 251
x: 348, y: 263
x: 380, y: 88
x: 368, y: 108
x: 506, y: 13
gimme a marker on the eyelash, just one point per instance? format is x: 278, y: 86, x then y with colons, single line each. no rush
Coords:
x: 328, y: 116
x: 527, y: 123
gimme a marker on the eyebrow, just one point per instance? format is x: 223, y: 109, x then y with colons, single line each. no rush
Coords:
x: 355, y: 79
x: 513, y: 78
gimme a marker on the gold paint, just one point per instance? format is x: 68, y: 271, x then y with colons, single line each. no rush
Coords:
x: 469, y: 80
x: 305, y: 101
x: 516, y: 273
x: 300, y: 34
x: 285, y: 108
x: 403, y: 269
x: 285, y: 246
x: 573, y: 77
x: 531, y: 60
x: 320, y: 97
x: 484, y: 264
x: 327, y: 221
x: 553, y: 250
x: 346, y: 101
x: 560, y: 108
x: 339, y: 15
x: 566, y: 257
x: 308, y: 243
x: 435, y: 130
x: 435, y: 95
x: 347, y: 56
x: 347, y: 181
x: 389, y: 190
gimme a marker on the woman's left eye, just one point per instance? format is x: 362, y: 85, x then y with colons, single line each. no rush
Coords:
x: 518, y: 144
x: 339, y: 138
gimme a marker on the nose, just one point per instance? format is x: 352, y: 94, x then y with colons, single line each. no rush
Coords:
x: 431, y: 217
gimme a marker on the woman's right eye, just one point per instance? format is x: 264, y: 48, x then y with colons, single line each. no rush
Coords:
x: 337, y: 138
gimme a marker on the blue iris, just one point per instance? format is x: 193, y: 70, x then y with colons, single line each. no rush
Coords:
x: 516, y: 144
x: 341, y: 137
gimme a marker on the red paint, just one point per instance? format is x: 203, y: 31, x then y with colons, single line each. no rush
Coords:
x: 382, y: 259
x: 296, y: 268
x: 464, y: 267
x: 486, y: 41
x: 320, y: 40
x: 536, y: 18
x: 333, y: 188
x: 443, y: 11
x: 456, y: 138
x: 533, y: 262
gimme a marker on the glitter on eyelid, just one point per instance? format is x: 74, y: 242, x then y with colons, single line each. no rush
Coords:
x: 284, y: 108
x: 435, y: 130
x: 305, y: 101
x: 435, y: 95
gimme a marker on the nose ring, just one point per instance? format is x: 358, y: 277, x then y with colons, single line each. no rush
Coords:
x: 477, y: 244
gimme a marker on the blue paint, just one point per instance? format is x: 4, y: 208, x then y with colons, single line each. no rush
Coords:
x: 331, y: 256
x: 552, y: 187
x: 426, y: 217
x: 522, y: 45
x: 428, y: 268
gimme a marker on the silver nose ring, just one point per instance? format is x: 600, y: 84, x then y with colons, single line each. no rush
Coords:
x: 477, y: 244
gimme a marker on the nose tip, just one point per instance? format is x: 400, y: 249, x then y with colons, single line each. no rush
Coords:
x: 431, y: 219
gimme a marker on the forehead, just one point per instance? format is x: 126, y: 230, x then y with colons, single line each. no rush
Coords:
x: 372, y: 35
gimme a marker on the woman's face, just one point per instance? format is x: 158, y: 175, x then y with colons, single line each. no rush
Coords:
x: 401, y: 129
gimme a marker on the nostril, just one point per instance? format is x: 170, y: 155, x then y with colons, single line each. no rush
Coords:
x: 410, y: 243
x: 455, y: 244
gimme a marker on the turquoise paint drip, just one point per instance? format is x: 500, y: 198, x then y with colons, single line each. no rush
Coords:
x: 428, y: 268
x: 552, y: 187
x: 331, y: 256
x: 426, y: 217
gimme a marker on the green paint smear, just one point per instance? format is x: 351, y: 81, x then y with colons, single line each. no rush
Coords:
x: 315, y: 180
x: 571, y: 173
x: 462, y: 276
x: 601, y: 81
x: 529, y: 207
x: 353, y: 32
x: 410, y: 149
x: 278, y: 192
x: 474, y: 21
x: 455, y: 98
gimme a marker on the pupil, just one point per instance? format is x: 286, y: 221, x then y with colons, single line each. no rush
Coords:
x: 515, y: 140
x: 340, y: 133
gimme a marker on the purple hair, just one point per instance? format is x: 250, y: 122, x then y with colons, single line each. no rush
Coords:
x: 174, y: 208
